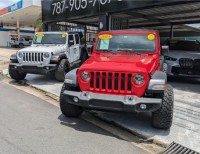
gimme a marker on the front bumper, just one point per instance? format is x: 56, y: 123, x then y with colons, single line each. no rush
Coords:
x: 33, y: 69
x: 111, y: 102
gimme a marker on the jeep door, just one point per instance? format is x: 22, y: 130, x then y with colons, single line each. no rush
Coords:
x: 77, y: 47
x: 72, y: 49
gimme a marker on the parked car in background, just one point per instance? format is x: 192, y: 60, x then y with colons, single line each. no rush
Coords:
x: 22, y: 42
x: 51, y: 53
x: 183, y: 58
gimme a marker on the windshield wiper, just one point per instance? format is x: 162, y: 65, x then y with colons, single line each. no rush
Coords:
x: 131, y: 51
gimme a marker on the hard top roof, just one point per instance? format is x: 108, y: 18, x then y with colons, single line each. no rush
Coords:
x: 131, y: 30
x: 58, y: 32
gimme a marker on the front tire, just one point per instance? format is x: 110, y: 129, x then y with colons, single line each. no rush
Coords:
x: 16, y: 75
x: 62, y: 69
x: 67, y: 109
x: 163, y: 117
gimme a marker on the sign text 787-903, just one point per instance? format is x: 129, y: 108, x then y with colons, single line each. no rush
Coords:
x: 59, y: 7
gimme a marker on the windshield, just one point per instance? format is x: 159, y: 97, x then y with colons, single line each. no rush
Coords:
x: 184, y: 45
x: 127, y: 42
x: 49, y: 38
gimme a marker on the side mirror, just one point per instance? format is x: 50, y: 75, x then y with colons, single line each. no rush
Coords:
x: 165, y: 50
x: 90, y: 49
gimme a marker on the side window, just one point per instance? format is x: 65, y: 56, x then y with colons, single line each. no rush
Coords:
x: 71, y: 40
x: 77, y: 39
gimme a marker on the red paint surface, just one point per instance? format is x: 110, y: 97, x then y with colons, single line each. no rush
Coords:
x: 121, y: 63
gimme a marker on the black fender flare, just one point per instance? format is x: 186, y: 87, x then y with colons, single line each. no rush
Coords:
x: 13, y: 58
x: 71, y: 78
x: 157, y: 82
x: 58, y: 57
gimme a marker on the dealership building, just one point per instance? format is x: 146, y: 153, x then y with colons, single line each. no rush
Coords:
x: 17, y: 20
x: 170, y: 18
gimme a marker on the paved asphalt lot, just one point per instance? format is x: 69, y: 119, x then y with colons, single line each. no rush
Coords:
x: 31, y: 125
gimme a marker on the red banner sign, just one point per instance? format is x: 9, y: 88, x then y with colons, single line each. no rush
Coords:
x: 3, y: 11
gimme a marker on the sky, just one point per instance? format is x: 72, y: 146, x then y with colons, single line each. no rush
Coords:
x: 5, y: 3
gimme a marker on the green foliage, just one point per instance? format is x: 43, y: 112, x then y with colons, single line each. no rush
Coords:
x: 38, y: 23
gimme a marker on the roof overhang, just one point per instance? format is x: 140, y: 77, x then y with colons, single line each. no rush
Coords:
x: 156, y: 14
x: 26, y: 17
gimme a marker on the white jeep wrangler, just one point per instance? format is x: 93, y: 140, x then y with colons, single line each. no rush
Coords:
x: 50, y: 53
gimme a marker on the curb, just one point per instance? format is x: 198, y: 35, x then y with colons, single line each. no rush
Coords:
x: 23, y: 82
x: 146, y: 138
x: 53, y: 96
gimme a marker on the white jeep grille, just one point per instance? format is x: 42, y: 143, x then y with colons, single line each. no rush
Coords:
x: 33, y: 57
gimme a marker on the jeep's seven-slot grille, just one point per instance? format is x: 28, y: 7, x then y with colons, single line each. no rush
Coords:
x: 111, y: 82
x: 33, y: 57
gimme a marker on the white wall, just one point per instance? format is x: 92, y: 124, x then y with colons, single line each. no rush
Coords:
x: 37, y: 2
x: 27, y: 3
x: 4, y: 38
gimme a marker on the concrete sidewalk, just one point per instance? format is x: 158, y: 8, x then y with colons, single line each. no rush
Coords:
x: 186, y: 123
x: 5, y: 54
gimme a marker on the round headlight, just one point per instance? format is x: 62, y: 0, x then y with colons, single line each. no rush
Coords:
x: 46, y: 55
x: 138, y: 79
x: 20, y: 55
x: 85, y: 76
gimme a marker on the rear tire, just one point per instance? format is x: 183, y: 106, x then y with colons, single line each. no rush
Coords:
x: 16, y: 75
x: 163, y: 117
x: 67, y: 109
x: 62, y: 69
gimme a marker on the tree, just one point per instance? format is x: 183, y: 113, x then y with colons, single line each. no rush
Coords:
x: 38, y: 25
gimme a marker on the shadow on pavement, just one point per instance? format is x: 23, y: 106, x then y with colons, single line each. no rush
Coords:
x: 82, y: 125
x: 41, y: 79
x: 139, y: 124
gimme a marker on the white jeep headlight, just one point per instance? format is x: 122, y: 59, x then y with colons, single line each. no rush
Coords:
x: 46, y: 55
x: 85, y: 76
x: 138, y: 79
x: 20, y: 55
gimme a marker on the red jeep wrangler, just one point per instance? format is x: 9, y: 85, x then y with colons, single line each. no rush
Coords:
x: 123, y: 74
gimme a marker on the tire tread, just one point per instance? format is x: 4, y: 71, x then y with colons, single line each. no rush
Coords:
x: 67, y: 109
x: 163, y: 117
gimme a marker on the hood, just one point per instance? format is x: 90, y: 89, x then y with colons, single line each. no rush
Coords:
x: 183, y: 54
x: 45, y: 48
x: 124, y: 62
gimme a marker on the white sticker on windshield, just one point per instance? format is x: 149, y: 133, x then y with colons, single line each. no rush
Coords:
x: 104, y: 44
